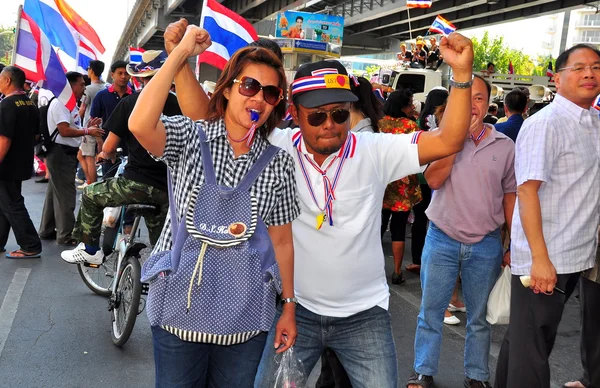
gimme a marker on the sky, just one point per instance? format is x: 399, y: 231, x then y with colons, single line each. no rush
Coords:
x: 117, y: 12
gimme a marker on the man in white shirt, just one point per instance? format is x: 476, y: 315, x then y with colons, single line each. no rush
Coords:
x: 58, y: 217
x: 556, y: 216
x: 340, y: 279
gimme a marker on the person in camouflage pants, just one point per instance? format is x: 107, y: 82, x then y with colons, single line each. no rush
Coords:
x: 117, y: 192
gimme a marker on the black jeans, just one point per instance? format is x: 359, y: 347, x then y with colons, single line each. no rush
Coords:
x: 589, y: 299
x: 13, y: 214
x: 534, y: 320
x: 419, y: 226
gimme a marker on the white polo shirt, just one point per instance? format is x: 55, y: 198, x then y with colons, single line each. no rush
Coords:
x: 340, y: 269
x: 58, y: 113
x: 560, y: 146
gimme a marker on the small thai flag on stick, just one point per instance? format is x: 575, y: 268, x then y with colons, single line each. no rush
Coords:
x: 442, y: 26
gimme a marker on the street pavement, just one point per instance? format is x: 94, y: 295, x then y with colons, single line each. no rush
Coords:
x: 54, y: 332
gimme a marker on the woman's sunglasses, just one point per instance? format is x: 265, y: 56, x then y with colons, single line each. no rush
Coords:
x: 250, y: 87
x: 339, y: 116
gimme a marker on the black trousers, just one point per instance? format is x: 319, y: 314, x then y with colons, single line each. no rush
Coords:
x: 589, y: 299
x: 419, y: 226
x: 534, y: 320
x: 333, y: 374
x: 13, y: 214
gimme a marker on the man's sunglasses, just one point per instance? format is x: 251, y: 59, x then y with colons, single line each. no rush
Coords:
x: 339, y: 116
x: 250, y: 87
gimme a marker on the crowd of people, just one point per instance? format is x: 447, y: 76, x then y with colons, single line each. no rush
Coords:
x: 421, y: 55
x: 285, y: 222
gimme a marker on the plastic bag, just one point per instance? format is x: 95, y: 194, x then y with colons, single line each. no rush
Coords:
x: 498, y: 307
x: 111, y: 215
x: 290, y: 373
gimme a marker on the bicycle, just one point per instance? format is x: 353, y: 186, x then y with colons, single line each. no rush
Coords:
x: 118, y: 277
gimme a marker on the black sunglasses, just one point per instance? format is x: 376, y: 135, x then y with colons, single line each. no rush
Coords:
x: 250, y: 87
x: 339, y: 116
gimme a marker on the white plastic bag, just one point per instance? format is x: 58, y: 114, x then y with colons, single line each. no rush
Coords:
x: 111, y: 215
x: 290, y: 373
x: 498, y: 307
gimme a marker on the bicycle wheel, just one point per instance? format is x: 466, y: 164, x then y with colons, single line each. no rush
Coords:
x: 126, y: 301
x: 99, y: 279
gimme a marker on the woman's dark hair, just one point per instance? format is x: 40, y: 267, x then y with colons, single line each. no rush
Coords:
x: 434, y: 99
x: 397, y: 101
x: 268, y: 44
x: 367, y: 103
x: 242, y: 58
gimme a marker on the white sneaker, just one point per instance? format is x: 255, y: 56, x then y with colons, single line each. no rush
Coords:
x: 452, y: 320
x: 79, y: 255
x: 82, y: 186
x: 79, y: 181
x: 452, y: 308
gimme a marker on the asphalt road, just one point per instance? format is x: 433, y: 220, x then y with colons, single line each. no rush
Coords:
x: 54, y: 332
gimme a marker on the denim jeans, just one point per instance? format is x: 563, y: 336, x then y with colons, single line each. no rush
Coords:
x: 363, y: 342
x: 479, y: 266
x: 182, y: 364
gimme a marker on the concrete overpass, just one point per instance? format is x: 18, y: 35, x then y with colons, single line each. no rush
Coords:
x: 370, y: 25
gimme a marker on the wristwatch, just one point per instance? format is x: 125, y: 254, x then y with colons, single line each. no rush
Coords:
x: 461, y: 85
x: 289, y: 300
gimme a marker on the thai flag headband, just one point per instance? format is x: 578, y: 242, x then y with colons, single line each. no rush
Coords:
x: 322, y: 81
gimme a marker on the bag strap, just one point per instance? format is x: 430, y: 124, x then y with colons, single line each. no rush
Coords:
x: 207, y: 162
x: 54, y: 134
x: 258, y: 167
x: 179, y: 232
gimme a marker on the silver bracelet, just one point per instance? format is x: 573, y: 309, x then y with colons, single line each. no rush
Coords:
x: 289, y: 300
x: 461, y: 85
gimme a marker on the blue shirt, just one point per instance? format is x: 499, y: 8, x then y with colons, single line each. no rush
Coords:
x: 511, y: 126
x: 105, y: 102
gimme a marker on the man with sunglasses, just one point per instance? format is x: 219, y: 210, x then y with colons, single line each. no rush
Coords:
x: 340, y: 280
x: 553, y: 237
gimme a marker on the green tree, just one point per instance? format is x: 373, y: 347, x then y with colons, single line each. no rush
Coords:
x: 497, y: 51
x: 370, y: 70
x: 541, y: 65
x: 7, y: 38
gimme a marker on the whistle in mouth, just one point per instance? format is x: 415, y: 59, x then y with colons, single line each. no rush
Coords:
x: 254, y: 116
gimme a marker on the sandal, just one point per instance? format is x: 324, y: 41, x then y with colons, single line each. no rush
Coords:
x: 574, y: 384
x: 415, y: 268
x: 398, y: 278
x: 21, y: 254
x: 420, y: 380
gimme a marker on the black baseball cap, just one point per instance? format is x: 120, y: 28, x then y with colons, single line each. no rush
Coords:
x: 322, y: 83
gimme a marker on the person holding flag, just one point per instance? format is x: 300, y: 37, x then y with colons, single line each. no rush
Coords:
x: 353, y: 171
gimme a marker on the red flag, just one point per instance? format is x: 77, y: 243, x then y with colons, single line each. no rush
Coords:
x: 511, y: 69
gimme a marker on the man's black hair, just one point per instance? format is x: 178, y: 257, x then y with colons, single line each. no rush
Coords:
x: 563, y: 58
x: 73, y: 76
x: 487, y: 85
x: 493, y: 108
x: 118, y: 65
x: 300, y: 17
x: 269, y: 45
x: 490, y: 64
x: 16, y: 75
x: 87, y: 80
x: 396, y: 101
x: 515, y: 101
x: 97, y: 67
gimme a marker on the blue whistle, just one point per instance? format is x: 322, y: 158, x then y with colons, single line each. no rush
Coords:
x: 254, y: 116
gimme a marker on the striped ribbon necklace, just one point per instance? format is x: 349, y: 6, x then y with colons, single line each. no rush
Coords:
x: 249, y: 136
x: 326, y: 213
x: 478, y: 136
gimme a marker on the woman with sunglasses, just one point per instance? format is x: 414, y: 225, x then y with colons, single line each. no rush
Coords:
x: 247, y: 104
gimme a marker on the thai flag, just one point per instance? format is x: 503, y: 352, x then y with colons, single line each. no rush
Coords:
x: 379, y: 94
x: 418, y: 3
x: 442, y: 26
x: 549, y: 71
x: 66, y: 30
x: 36, y: 57
x: 597, y: 103
x: 135, y: 54
x: 511, y: 69
x: 228, y: 31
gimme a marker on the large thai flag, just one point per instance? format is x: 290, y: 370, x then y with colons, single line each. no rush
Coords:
x: 66, y: 30
x: 418, y: 3
x: 228, y: 31
x: 35, y: 55
x: 442, y: 26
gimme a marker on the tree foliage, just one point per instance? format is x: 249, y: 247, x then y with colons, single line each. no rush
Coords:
x: 497, y: 51
x: 7, y: 38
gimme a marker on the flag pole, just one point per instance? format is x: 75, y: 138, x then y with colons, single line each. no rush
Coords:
x: 17, y: 29
x: 409, y: 26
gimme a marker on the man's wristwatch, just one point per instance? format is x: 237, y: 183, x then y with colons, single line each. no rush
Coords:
x: 289, y: 300
x: 461, y: 85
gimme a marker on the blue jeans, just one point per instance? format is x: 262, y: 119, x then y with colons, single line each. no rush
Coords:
x: 479, y: 266
x: 182, y: 364
x: 363, y: 342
